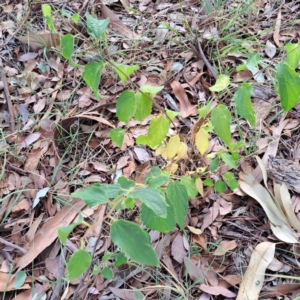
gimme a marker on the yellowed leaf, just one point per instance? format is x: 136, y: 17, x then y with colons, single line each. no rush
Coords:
x: 254, y: 277
x: 199, y: 186
x: 182, y: 150
x: 201, y: 141
x: 162, y: 150
x: 172, y: 168
x: 194, y: 230
x: 173, y: 146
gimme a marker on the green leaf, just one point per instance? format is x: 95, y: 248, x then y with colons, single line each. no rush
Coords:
x: 107, y: 273
x: 129, y: 202
x: 204, y: 110
x: 75, y: 18
x: 143, y: 106
x: 172, y: 114
x: 63, y: 232
x: 214, y: 164
x: 152, y: 199
x: 46, y: 8
x: 110, y: 190
x: 117, y: 136
x: 124, y: 71
x: 108, y: 255
x: 95, y: 27
x: 229, y: 160
x: 151, y: 90
x: 67, y: 48
x: 293, y: 54
x: 96, y: 270
x: 126, y: 106
x: 157, y: 132
x: 20, y: 278
x: 221, y: 119
x: 92, y: 195
x: 126, y: 184
x: 134, y: 242
x: 220, y: 186
x: 253, y: 60
x: 288, y: 85
x: 78, y: 263
x: 155, y: 178
x: 208, y: 182
x: 177, y: 194
x: 230, y: 180
x: 221, y: 84
x: 92, y: 75
x: 190, y: 186
x: 243, y: 104
x: 154, y: 222
x: 121, y: 260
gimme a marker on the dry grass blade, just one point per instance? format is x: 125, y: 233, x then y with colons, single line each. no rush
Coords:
x: 254, y: 277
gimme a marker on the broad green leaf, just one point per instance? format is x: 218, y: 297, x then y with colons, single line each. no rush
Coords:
x: 78, y: 263
x: 154, y: 222
x: 129, y: 202
x: 121, y: 260
x: 75, y: 18
x: 243, y: 104
x: 96, y: 270
x: 143, y: 106
x: 177, y: 194
x: 288, y: 85
x: 124, y: 71
x: 92, y: 75
x: 221, y: 84
x: 220, y: 186
x: 203, y: 111
x: 293, y: 54
x: 117, y: 136
x: 172, y: 114
x: 221, y: 119
x: 201, y: 140
x: 156, y: 177
x: 253, y: 60
x: 190, y: 186
x: 63, y: 232
x: 46, y: 8
x: 110, y: 190
x: 134, y: 242
x: 126, y: 106
x: 107, y: 273
x: 108, y: 255
x: 126, y: 184
x: 230, y: 180
x: 92, y: 195
x: 96, y: 28
x: 152, y: 199
x: 214, y: 164
x: 20, y: 278
x: 208, y: 182
x: 67, y: 48
x: 151, y: 90
x: 228, y: 159
x: 157, y: 132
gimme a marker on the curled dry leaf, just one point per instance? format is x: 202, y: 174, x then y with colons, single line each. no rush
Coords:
x: 185, y: 107
x: 254, y: 277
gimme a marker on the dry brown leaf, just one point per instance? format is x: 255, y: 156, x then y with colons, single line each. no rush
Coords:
x: 195, y: 273
x: 217, y: 290
x: 41, y: 40
x: 177, y: 250
x: 224, y: 247
x: 276, y: 35
x: 117, y: 23
x: 254, y: 277
x: 48, y: 233
x: 280, y: 290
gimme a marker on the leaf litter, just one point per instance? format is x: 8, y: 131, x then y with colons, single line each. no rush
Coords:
x: 59, y: 142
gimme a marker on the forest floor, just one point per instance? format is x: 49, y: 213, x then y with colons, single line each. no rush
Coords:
x: 55, y: 139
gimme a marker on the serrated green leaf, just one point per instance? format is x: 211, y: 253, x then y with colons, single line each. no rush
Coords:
x: 172, y: 114
x: 190, y: 186
x: 126, y: 106
x: 78, y: 263
x: 151, y: 90
x: 253, y: 60
x: 20, y: 278
x: 221, y: 119
x: 117, y: 136
x: 156, y: 177
x: 107, y: 273
x: 95, y: 27
x: 92, y: 195
x: 125, y: 183
x: 288, y: 85
x: 92, y: 75
x: 220, y: 186
x: 154, y: 222
x: 293, y: 54
x: 143, y: 106
x: 228, y: 159
x: 134, y: 242
x: 157, y: 132
x: 214, y: 164
x: 64, y: 232
x: 129, y: 202
x: 243, y: 104
x: 110, y: 190
x: 152, y: 199
x: 124, y: 71
x: 178, y: 196
x: 230, y: 180
x: 221, y: 84
x: 121, y: 260
x: 208, y: 182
